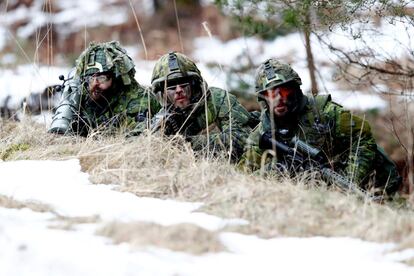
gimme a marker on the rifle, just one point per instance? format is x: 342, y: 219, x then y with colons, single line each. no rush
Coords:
x: 303, y: 156
x: 68, y: 107
x: 168, y: 122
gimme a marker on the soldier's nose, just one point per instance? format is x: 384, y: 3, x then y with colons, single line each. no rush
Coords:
x: 178, y: 88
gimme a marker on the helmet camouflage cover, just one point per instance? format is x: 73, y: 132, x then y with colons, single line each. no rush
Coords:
x: 172, y: 66
x: 106, y: 57
x: 273, y: 73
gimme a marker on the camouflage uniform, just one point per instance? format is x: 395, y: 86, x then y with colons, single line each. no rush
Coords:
x: 345, y: 140
x: 131, y: 102
x: 214, y: 119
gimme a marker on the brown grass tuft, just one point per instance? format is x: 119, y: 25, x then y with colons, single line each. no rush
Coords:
x: 181, y: 237
x: 68, y: 223
x: 9, y: 202
x: 409, y: 262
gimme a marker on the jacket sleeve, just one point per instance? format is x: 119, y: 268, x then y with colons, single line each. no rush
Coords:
x: 355, y: 139
x: 252, y: 157
x: 232, y: 121
x: 143, y: 103
x: 141, y: 108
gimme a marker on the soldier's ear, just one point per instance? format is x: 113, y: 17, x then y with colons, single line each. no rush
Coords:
x: 158, y: 87
x: 195, y: 84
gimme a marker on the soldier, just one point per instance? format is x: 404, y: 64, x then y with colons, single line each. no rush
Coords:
x: 208, y: 117
x: 344, y: 141
x: 103, y: 95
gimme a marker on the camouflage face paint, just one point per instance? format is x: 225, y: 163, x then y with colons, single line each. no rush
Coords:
x: 278, y: 99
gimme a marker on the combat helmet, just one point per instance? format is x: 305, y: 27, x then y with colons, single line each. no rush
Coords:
x: 106, y: 57
x: 173, y: 66
x: 273, y: 73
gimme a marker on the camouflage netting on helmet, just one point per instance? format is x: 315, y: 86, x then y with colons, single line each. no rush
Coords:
x: 106, y: 57
x: 272, y: 73
x: 174, y: 65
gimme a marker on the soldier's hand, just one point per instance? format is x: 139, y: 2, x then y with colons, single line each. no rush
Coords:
x: 265, y: 141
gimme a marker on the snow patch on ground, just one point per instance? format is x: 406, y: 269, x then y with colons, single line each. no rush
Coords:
x: 31, y: 246
x: 68, y: 191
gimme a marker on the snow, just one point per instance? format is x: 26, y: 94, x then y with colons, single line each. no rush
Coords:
x: 3, y: 34
x: 8, y: 58
x: 63, y: 191
x: 240, y: 52
x: 313, y: 256
x: 31, y: 245
x: 390, y: 38
x: 71, y: 17
x: 144, y: 71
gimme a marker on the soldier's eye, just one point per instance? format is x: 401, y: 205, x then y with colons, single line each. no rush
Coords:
x: 98, y: 78
x: 285, y: 91
x: 172, y: 88
x: 270, y: 93
x: 102, y: 78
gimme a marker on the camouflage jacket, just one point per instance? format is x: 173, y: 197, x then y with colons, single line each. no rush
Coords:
x: 346, y: 141
x: 122, y: 112
x: 220, y: 124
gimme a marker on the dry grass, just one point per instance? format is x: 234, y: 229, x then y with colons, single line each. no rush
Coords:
x: 11, y: 203
x: 181, y: 237
x: 68, y: 223
x: 409, y: 262
x: 274, y: 206
x: 61, y: 222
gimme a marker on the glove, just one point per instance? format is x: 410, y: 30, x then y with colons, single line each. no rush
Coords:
x: 141, y: 117
x: 265, y: 141
x: 173, y: 124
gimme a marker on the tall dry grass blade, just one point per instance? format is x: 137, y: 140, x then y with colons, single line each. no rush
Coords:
x: 178, y: 27
x: 139, y: 29
x: 207, y: 29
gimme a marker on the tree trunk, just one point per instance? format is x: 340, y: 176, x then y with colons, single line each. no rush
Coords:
x: 309, y: 56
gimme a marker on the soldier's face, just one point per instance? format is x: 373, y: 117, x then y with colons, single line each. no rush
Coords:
x: 278, y: 99
x: 179, y: 94
x: 99, y: 85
